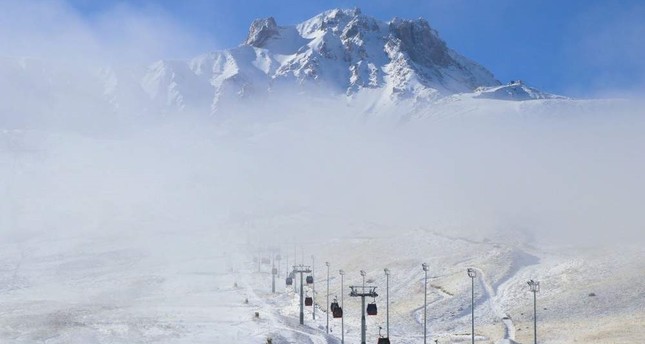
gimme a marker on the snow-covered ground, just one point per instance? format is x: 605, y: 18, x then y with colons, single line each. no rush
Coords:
x: 149, y: 235
x: 503, y: 302
x: 204, y: 287
x: 123, y: 290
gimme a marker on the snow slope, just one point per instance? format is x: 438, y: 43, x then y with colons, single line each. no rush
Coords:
x: 515, y: 90
x: 131, y: 289
x: 151, y: 238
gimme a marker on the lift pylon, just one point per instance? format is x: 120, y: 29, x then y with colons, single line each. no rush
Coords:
x: 362, y: 292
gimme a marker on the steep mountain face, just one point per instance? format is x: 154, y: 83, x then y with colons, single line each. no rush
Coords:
x: 261, y: 30
x: 338, y: 51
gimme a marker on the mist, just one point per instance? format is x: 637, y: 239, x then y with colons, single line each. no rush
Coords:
x: 563, y: 171
x: 125, y: 219
x: 573, y: 178
x: 119, y: 34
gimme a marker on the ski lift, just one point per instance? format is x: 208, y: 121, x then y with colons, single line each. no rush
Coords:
x: 381, y: 339
x: 274, y: 271
x: 371, y: 309
x: 334, y: 305
x: 289, y: 281
x: 337, y: 312
x: 310, y: 279
x: 309, y: 301
x: 266, y: 261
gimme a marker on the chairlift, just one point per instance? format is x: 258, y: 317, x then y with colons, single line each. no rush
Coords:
x: 371, y: 309
x: 266, y: 261
x: 310, y: 279
x: 309, y: 301
x: 289, y: 281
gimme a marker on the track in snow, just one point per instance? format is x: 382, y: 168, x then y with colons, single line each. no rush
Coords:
x: 509, y: 327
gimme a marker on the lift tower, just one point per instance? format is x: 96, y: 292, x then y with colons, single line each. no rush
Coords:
x: 362, y: 292
x: 301, y: 269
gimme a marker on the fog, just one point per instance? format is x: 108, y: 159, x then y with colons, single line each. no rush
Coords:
x: 572, y: 178
x: 562, y: 171
x: 124, y: 219
x: 117, y: 34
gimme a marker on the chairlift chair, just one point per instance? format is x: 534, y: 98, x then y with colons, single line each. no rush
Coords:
x: 289, y: 281
x: 310, y: 279
x: 309, y: 301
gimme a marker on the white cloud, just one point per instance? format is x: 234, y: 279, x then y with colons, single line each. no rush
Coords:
x: 119, y: 34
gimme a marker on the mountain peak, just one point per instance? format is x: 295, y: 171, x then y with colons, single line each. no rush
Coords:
x: 420, y: 41
x: 260, y: 31
x: 341, y: 12
x: 345, y: 11
x: 372, y: 62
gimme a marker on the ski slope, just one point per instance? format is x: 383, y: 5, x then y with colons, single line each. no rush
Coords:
x: 150, y: 235
x: 205, y: 288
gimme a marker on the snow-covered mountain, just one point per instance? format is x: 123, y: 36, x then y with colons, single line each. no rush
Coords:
x: 514, y: 90
x: 344, y: 55
x: 165, y: 233
x: 341, y: 51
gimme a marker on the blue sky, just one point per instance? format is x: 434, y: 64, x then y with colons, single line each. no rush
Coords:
x: 572, y: 47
